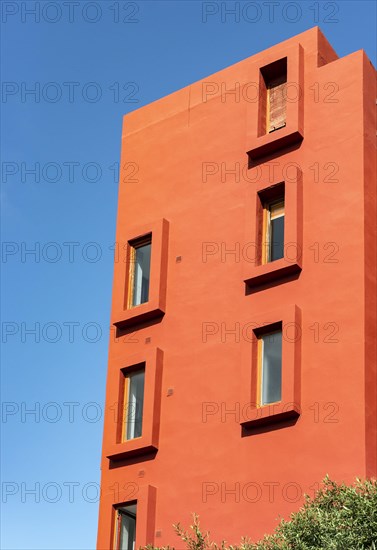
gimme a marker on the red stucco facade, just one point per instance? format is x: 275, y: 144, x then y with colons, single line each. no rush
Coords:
x: 193, y: 166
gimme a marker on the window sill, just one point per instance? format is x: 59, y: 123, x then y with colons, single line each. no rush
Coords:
x: 271, y: 414
x: 128, y: 449
x: 273, y: 141
x: 272, y: 272
x: 139, y: 314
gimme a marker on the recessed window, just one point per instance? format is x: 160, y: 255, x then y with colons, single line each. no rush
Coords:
x: 273, y: 221
x: 274, y: 98
x: 132, y: 422
x: 139, y: 276
x: 125, y: 527
x: 270, y: 367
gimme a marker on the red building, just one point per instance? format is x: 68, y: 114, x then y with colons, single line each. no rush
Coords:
x: 242, y: 369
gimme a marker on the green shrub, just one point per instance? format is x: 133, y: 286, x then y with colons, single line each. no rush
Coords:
x: 339, y: 517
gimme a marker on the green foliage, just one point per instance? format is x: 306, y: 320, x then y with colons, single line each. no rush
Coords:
x: 339, y: 517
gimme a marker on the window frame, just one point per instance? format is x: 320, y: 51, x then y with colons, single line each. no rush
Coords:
x: 117, y: 523
x: 271, y: 77
x: 126, y: 386
x: 260, y: 363
x: 133, y: 245
x: 267, y: 228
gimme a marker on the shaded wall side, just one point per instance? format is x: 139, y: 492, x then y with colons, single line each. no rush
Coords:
x: 370, y: 250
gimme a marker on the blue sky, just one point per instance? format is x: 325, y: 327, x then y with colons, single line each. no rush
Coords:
x: 89, y: 63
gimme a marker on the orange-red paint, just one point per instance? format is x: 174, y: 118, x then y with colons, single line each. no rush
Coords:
x: 193, y: 164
